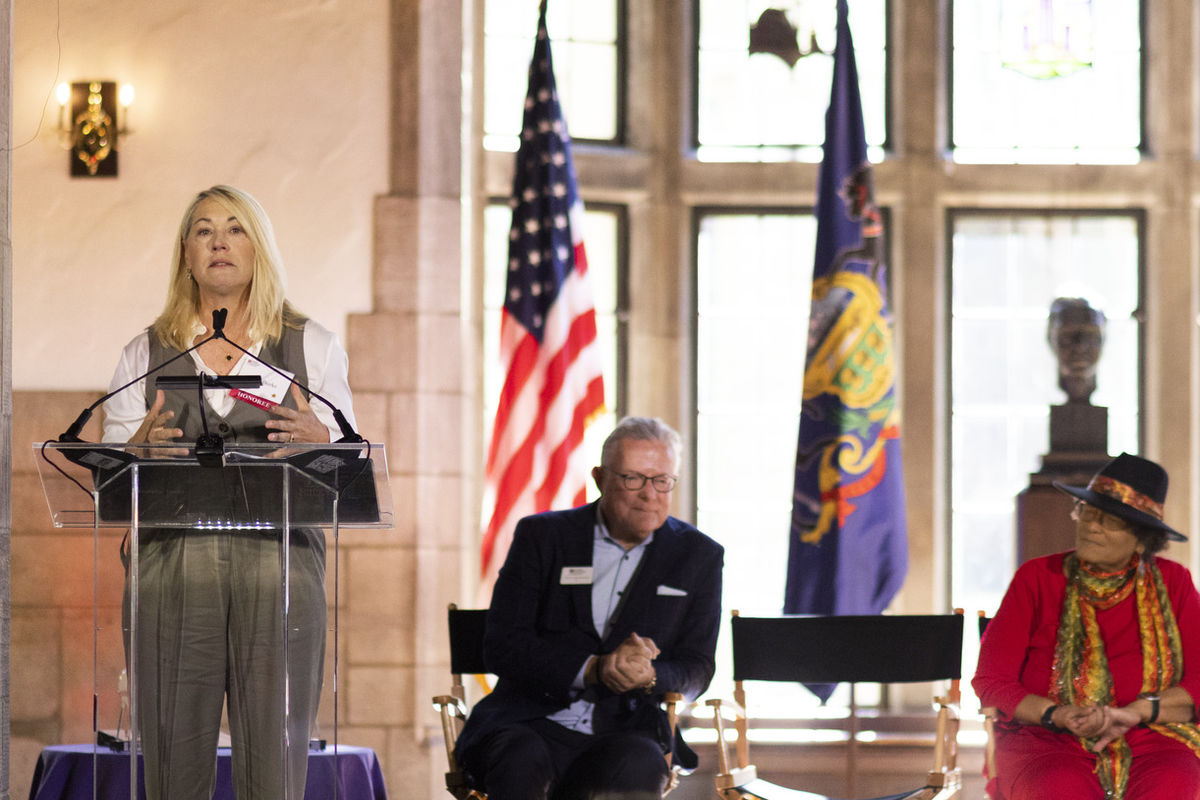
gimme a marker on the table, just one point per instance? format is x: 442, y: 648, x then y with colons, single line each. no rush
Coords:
x: 64, y: 772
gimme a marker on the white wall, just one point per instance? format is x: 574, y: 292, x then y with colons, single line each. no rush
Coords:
x: 286, y: 99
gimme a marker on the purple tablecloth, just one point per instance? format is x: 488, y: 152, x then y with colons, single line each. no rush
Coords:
x: 64, y: 772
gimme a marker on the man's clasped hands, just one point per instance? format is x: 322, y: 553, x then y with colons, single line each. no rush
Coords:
x: 630, y: 666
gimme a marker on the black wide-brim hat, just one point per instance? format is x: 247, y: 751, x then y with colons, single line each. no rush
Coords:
x: 1131, y: 488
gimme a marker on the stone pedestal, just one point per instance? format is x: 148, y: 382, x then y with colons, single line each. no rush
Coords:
x: 1078, y: 449
x: 1078, y: 440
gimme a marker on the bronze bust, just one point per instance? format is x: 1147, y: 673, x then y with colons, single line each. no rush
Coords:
x: 1076, y: 334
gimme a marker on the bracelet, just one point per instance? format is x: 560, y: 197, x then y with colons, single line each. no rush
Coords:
x: 653, y: 682
x: 1048, y: 720
x: 1154, y: 699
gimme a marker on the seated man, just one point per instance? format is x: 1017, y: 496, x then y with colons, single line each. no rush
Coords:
x: 596, y: 613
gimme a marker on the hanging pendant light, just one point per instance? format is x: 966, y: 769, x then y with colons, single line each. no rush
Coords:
x: 775, y: 34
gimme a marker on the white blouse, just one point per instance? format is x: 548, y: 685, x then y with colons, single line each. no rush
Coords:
x: 325, y: 360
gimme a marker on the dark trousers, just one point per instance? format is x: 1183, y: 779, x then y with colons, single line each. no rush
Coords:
x: 541, y: 759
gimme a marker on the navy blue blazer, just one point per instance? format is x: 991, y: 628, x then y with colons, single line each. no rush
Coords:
x: 540, y: 630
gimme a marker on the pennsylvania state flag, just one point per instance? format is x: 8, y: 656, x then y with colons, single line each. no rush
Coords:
x: 848, y: 550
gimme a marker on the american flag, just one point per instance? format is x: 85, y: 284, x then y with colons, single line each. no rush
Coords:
x: 553, y: 385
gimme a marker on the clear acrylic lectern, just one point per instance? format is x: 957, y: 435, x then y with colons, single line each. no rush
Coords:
x: 243, y: 490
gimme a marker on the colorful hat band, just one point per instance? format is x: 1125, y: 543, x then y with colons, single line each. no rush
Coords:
x: 1125, y: 493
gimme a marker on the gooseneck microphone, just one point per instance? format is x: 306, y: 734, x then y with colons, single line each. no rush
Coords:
x: 349, y: 435
x: 202, y: 382
x: 72, y: 433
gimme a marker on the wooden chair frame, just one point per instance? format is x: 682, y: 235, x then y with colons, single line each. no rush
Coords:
x: 466, y: 658
x: 875, y: 659
x: 989, y: 714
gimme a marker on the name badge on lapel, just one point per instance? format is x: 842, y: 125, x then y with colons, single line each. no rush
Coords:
x: 576, y: 576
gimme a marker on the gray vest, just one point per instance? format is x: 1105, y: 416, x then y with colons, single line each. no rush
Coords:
x: 245, y: 422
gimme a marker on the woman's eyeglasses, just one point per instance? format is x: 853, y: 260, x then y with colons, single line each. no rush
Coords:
x: 1086, y: 513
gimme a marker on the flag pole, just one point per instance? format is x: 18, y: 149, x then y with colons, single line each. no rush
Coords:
x: 553, y: 384
x: 848, y: 548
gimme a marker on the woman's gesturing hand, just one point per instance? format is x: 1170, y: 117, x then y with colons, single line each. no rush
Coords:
x: 154, y: 430
x: 299, y: 425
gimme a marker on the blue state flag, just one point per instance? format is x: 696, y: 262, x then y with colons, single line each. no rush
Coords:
x: 848, y: 550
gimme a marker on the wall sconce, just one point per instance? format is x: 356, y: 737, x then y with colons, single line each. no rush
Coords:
x: 92, y: 118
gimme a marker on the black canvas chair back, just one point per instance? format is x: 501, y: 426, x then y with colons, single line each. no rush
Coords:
x: 466, y: 640
x: 848, y: 649
x: 843, y: 649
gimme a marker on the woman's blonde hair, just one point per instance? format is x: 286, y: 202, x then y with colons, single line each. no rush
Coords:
x: 269, y: 309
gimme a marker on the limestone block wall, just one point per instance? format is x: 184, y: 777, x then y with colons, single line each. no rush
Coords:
x: 52, y: 591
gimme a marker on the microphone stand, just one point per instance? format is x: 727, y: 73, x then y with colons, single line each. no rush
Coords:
x: 210, y: 447
x: 349, y: 435
x: 71, y: 434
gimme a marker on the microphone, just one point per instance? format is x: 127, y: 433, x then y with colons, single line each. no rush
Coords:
x: 349, y: 435
x: 210, y: 447
x: 219, y: 316
x: 71, y: 434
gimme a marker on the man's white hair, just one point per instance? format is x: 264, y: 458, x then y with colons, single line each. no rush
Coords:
x: 646, y: 429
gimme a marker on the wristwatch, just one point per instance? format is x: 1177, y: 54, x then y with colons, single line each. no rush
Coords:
x: 1154, y: 699
x: 1048, y: 720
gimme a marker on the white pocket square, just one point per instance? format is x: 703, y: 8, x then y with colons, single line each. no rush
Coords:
x: 671, y: 591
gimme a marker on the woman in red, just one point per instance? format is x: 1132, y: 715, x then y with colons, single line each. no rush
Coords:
x: 1093, y: 659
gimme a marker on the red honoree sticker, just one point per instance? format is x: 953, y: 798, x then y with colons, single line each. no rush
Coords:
x: 252, y: 399
x: 271, y: 393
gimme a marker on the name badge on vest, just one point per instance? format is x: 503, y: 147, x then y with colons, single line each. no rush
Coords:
x: 576, y: 576
x: 272, y: 392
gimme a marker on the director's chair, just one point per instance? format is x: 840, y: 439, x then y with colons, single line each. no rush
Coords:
x: 842, y: 649
x: 466, y: 627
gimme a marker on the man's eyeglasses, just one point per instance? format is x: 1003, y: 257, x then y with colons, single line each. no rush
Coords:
x: 634, y: 481
x: 1086, y: 513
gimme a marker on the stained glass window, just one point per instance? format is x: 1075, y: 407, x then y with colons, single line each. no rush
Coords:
x: 1007, y: 109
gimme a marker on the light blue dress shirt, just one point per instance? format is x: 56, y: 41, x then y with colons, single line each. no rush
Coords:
x: 612, y: 567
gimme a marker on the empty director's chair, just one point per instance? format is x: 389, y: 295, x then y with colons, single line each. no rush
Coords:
x: 843, y: 649
x: 466, y: 627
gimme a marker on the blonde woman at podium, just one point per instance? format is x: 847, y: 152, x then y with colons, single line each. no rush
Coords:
x: 210, y: 601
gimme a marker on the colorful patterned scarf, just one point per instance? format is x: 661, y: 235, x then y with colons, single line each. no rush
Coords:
x: 1080, y: 674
